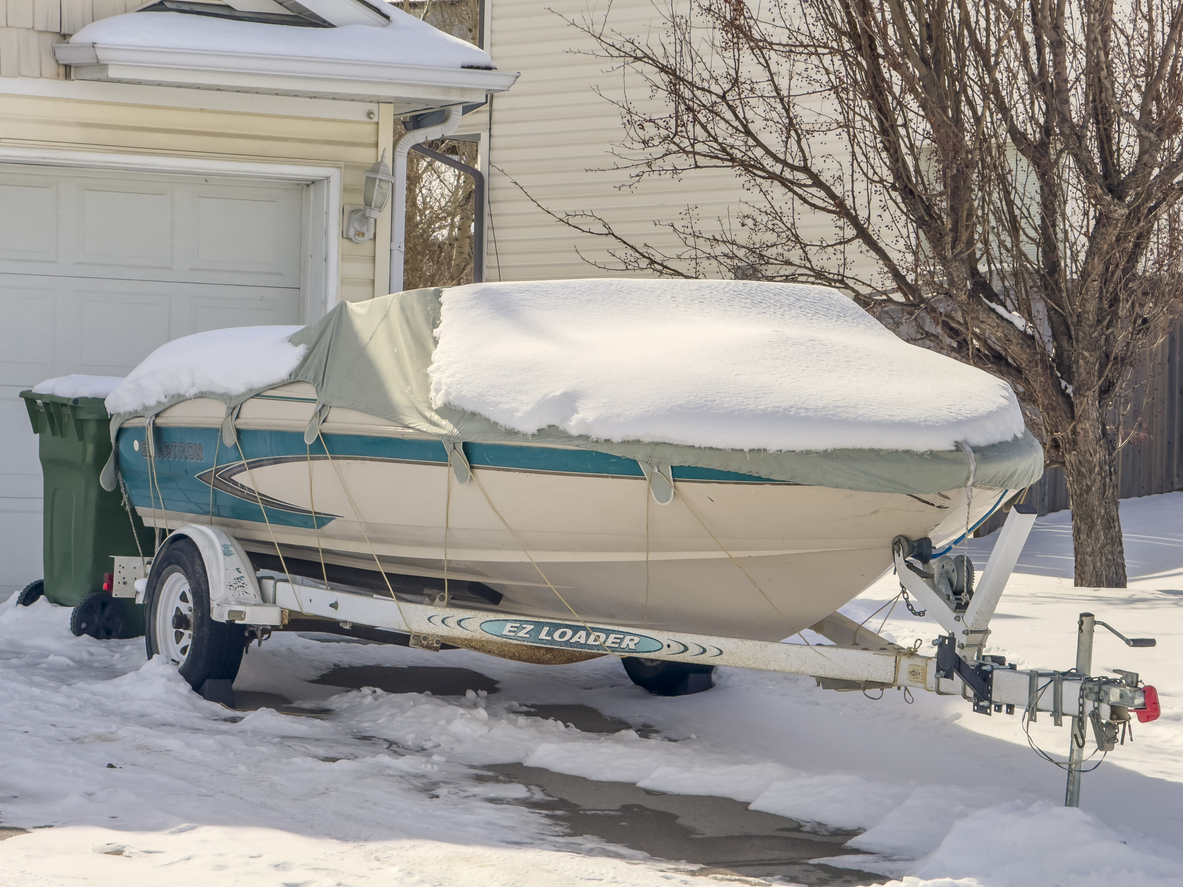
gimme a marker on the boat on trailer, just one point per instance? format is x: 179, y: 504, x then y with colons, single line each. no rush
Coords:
x: 535, y: 530
x: 345, y: 471
x: 496, y: 467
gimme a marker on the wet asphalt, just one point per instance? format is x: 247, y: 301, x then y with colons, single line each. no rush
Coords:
x: 720, y: 836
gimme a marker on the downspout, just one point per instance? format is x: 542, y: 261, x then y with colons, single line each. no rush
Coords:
x: 398, y: 228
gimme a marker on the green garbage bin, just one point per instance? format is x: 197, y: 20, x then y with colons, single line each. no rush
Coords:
x: 84, y: 525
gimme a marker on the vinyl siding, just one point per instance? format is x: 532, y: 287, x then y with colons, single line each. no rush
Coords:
x: 550, y: 133
x: 30, y: 28
x: 554, y: 135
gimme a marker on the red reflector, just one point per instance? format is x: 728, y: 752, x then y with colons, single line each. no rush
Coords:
x: 1152, y: 709
x: 109, y: 583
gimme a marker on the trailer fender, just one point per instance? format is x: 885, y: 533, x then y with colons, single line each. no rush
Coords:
x: 234, y: 590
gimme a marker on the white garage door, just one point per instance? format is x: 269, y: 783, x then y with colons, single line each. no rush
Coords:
x: 99, y: 268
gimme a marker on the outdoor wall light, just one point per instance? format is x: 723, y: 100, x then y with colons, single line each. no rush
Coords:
x: 359, y: 226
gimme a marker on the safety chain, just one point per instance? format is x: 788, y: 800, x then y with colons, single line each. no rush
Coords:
x: 1079, y: 724
x: 1078, y: 727
x: 1056, y: 683
x: 908, y: 604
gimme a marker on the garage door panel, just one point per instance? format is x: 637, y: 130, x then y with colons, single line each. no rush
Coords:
x: 166, y: 228
x: 20, y: 525
x: 114, y: 333
x: 228, y: 232
x: 28, y: 220
x: 259, y: 307
x: 106, y: 327
x: 119, y: 323
x: 27, y: 339
x: 19, y: 474
x: 246, y: 236
x: 126, y: 228
x: 20, y: 493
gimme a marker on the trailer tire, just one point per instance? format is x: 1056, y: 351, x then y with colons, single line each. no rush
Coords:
x: 179, y: 626
x: 669, y: 678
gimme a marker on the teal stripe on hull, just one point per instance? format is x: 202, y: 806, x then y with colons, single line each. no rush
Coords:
x: 572, y: 461
x: 182, y: 454
x: 185, y: 467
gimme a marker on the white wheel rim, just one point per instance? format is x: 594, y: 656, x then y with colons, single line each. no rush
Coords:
x: 174, y: 618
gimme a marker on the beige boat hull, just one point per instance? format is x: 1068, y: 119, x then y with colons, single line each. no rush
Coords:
x: 737, y: 559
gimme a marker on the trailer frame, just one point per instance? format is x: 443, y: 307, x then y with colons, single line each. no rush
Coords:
x: 856, y: 658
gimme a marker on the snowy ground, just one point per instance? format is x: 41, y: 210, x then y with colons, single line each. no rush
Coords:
x: 123, y: 777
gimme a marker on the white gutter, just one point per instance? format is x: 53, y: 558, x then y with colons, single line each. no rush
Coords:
x: 398, y: 229
x: 412, y: 87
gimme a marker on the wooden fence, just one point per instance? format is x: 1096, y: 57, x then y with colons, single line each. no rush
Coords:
x: 1151, y: 410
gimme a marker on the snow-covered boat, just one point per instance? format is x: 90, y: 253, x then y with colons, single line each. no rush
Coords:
x: 679, y: 474
x: 724, y: 458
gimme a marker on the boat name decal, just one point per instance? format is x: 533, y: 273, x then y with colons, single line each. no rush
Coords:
x: 571, y: 636
x: 180, y: 450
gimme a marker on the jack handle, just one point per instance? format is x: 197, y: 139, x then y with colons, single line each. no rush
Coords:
x: 1129, y: 642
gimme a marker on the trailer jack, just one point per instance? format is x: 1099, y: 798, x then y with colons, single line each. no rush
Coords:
x: 1111, y: 702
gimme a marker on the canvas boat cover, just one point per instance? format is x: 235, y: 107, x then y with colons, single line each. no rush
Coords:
x: 380, y: 357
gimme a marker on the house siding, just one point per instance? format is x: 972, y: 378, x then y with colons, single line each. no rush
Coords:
x: 550, y: 134
x: 554, y: 136
x: 30, y: 28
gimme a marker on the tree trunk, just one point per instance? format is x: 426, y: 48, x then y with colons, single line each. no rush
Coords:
x: 1090, y: 465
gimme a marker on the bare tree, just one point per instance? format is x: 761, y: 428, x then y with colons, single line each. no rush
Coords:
x: 440, y: 207
x: 998, y: 180
x: 440, y: 217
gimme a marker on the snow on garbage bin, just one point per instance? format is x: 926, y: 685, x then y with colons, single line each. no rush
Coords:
x: 84, y: 525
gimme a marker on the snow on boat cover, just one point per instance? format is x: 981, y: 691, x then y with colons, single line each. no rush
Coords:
x: 786, y: 382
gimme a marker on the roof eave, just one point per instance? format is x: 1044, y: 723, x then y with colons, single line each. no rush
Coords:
x: 411, y: 88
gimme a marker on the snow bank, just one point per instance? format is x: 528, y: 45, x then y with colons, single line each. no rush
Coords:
x: 838, y: 799
x: 405, y: 41
x: 1035, y: 845
x: 77, y: 385
x: 727, y: 364
x: 228, y: 362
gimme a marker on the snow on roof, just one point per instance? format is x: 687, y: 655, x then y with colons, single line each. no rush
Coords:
x: 727, y: 364
x: 78, y: 385
x: 231, y: 362
x: 405, y: 41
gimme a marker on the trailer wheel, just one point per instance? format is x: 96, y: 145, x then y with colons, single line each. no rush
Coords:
x: 31, y: 593
x: 179, y: 625
x: 99, y: 616
x: 669, y: 678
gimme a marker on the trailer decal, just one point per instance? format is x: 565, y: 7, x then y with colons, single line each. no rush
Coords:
x: 571, y: 636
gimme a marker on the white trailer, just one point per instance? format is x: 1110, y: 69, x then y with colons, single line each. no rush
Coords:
x: 205, y: 598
